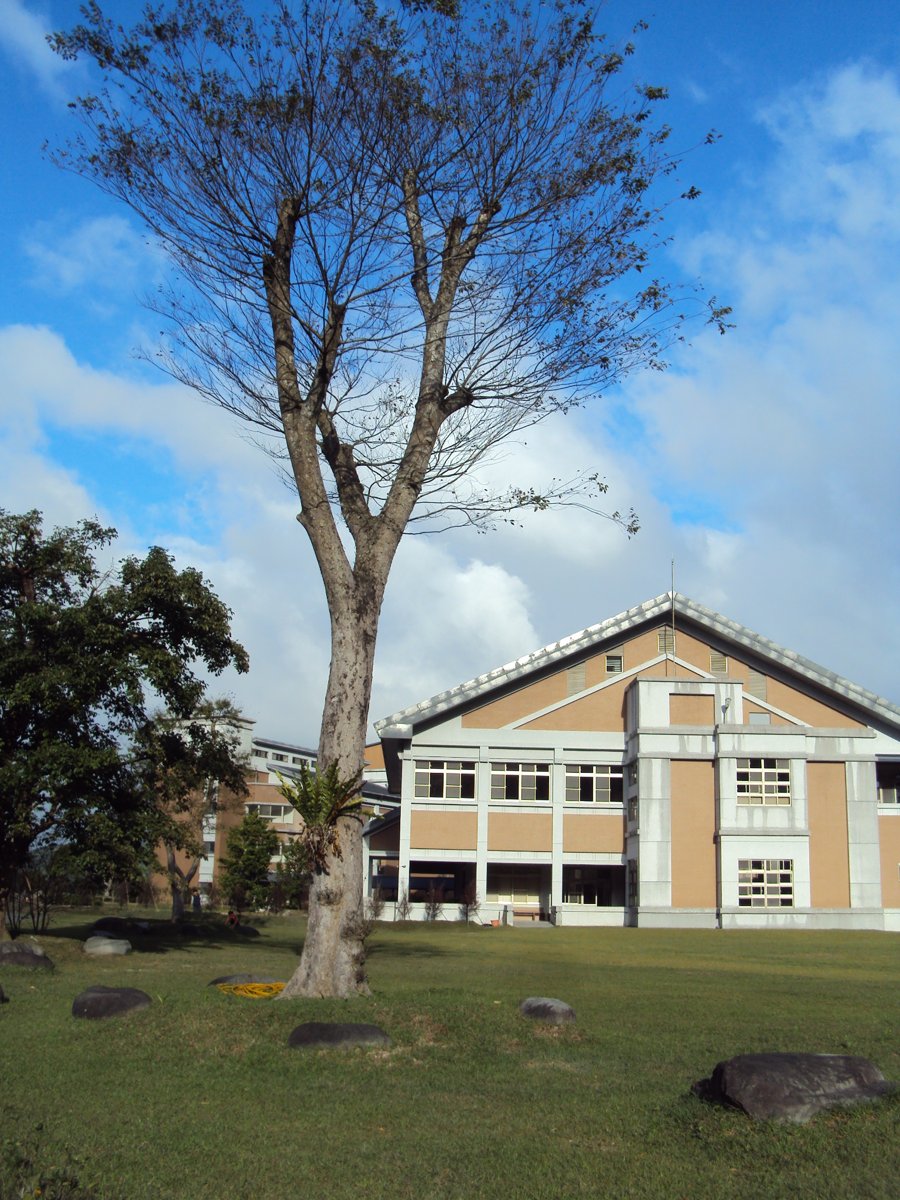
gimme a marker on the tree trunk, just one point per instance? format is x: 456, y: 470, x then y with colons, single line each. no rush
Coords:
x: 178, y: 882
x: 333, y: 958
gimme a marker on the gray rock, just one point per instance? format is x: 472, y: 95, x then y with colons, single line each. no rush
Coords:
x: 24, y: 954
x: 243, y: 978
x: 103, y: 944
x: 545, y: 1008
x: 98, y: 1001
x: 792, y: 1087
x: 339, y: 1035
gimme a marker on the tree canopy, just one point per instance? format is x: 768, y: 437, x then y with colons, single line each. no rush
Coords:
x: 194, y: 769
x: 403, y: 234
x: 84, y: 651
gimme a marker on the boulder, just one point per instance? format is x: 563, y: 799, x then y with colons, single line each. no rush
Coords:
x: 103, y: 944
x: 24, y: 954
x: 792, y: 1087
x: 338, y: 1035
x: 545, y: 1008
x: 243, y: 977
x: 98, y: 1001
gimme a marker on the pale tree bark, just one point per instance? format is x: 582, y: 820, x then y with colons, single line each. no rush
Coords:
x: 179, y: 881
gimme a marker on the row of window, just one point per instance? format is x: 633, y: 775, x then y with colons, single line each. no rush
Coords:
x: 760, y: 781
x: 514, y: 781
x: 272, y: 812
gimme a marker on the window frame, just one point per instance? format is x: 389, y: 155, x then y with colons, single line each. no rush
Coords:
x: 577, y: 774
x: 772, y: 777
x: 514, y: 776
x: 439, y: 779
x: 758, y: 886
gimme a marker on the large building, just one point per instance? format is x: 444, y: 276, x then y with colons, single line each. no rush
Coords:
x: 268, y: 762
x: 666, y: 767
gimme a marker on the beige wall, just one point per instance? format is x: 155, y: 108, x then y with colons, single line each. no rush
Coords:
x: 774, y: 718
x: 443, y: 830
x: 518, y: 704
x: 520, y: 831
x: 687, y: 709
x: 889, y: 836
x: 593, y: 833
x: 604, y: 710
x: 829, y: 854
x: 806, y: 709
x: 693, y: 831
x: 386, y: 839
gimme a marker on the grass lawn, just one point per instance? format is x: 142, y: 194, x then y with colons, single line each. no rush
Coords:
x: 199, y: 1096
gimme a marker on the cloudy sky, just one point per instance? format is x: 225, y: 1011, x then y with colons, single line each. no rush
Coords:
x: 764, y: 463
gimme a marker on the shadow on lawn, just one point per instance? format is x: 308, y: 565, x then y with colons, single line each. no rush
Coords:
x: 162, y: 936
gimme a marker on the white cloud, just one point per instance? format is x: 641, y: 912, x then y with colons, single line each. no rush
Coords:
x: 23, y: 35
x: 105, y: 255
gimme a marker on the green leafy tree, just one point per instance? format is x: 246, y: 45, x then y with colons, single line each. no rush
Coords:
x: 294, y: 873
x: 194, y: 769
x: 406, y: 232
x: 245, y: 868
x: 82, y: 647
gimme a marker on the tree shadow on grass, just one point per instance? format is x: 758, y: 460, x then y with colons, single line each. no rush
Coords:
x: 162, y: 936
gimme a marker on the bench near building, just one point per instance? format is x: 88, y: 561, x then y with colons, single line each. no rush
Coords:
x: 667, y: 767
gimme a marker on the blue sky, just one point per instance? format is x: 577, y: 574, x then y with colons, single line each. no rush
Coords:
x: 764, y: 462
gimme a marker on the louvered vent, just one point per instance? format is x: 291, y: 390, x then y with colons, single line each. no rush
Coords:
x: 718, y: 663
x: 756, y: 685
x: 575, y: 681
x: 666, y: 637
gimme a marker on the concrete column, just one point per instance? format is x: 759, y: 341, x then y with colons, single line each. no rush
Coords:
x: 862, y: 835
x: 558, y: 798
x: 482, y: 794
x: 407, y: 794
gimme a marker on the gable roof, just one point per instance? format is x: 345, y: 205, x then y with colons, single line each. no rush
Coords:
x: 401, y: 724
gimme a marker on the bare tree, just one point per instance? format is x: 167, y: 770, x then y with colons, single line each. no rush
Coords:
x: 405, y: 232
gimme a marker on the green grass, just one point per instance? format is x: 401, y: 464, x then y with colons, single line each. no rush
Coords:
x: 200, y: 1097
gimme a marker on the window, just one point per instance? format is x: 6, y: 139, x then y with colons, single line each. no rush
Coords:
x: 594, y: 785
x: 756, y: 685
x: 439, y: 780
x: 887, y: 778
x: 763, y: 781
x: 520, y: 781
x: 718, y: 663
x: 759, y: 718
x: 279, y: 758
x: 575, y: 679
x: 666, y: 640
x: 632, y: 891
x: 272, y: 812
x: 209, y: 848
x: 615, y: 663
x: 765, y: 882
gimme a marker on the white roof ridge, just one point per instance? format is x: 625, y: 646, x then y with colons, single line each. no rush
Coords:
x: 472, y: 689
